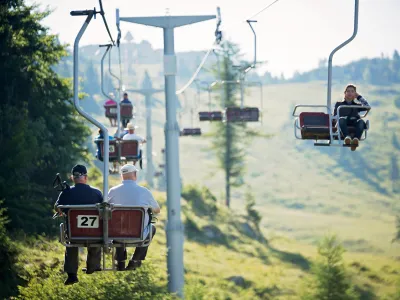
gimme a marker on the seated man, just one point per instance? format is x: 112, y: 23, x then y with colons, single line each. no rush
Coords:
x: 130, y: 193
x: 351, y: 116
x: 80, y: 194
x: 131, y: 136
x: 125, y: 100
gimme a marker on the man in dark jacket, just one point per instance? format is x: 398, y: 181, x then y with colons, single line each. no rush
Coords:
x: 349, y: 116
x: 81, y: 193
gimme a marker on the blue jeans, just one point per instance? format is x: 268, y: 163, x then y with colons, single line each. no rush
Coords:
x: 358, y: 124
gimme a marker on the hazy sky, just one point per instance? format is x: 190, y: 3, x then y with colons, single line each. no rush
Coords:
x: 292, y: 34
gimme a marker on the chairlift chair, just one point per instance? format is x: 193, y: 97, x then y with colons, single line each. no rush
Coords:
x: 323, y: 126
x: 105, y: 225
x: 102, y: 225
x: 190, y: 131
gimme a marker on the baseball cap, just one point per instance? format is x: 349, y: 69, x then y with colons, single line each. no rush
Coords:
x: 128, y: 169
x: 78, y: 171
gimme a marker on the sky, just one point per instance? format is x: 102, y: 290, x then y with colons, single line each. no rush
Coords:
x: 292, y: 35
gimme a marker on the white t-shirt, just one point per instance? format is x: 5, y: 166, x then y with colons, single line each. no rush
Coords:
x: 132, y: 137
x: 130, y: 193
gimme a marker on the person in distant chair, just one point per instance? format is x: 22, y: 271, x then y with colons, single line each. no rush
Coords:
x: 125, y: 100
x: 350, y: 116
x: 131, y: 135
x: 130, y: 193
x: 111, y: 102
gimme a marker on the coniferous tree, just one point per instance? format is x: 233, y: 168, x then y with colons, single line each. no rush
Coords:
x: 9, y: 278
x: 330, y: 279
x: 229, y: 139
x: 40, y: 131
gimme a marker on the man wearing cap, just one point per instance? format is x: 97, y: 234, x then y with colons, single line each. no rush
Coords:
x: 131, y: 136
x: 81, y: 193
x: 130, y: 193
x: 125, y: 100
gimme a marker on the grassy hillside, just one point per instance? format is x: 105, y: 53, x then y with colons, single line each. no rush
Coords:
x: 225, y: 258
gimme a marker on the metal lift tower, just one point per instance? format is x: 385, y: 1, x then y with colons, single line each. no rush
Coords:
x: 174, y: 227
x: 147, y: 91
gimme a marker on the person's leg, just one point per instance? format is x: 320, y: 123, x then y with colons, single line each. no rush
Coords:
x: 360, y: 126
x: 120, y: 257
x: 344, y: 130
x: 140, y: 253
x: 71, y: 263
x: 93, y: 260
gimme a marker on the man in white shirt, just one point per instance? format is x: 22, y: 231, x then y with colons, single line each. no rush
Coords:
x: 130, y: 193
x: 130, y: 136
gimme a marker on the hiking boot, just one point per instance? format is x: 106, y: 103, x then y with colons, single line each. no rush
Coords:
x: 91, y: 271
x: 347, y: 140
x: 354, y: 144
x: 134, y: 264
x: 72, y: 278
x: 121, y: 266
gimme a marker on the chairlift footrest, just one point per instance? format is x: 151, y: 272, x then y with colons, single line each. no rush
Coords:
x: 322, y: 144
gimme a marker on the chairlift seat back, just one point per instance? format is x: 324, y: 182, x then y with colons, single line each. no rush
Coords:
x: 113, y: 152
x: 84, y: 224
x: 126, y: 110
x: 126, y: 224
x: 111, y: 111
x: 210, y: 116
x: 190, y: 131
x: 130, y: 149
x: 245, y: 114
x: 315, y: 126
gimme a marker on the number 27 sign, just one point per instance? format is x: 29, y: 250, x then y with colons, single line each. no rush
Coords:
x: 88, y: 221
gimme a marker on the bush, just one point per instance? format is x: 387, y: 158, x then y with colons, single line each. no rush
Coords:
x: 253, y: 216
x: 9, y: 278
x: 330, y: 279
x: 201, y: 200
x: 140, y: 284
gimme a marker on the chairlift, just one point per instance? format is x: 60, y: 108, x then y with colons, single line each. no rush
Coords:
x: 191, y: 131
x: 322, y: 127
x: 102, y: 225
x: 242, y: 113
x: 111, y: 110
x: 210, y: 115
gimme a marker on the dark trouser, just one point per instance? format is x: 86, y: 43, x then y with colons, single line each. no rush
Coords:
x: 358, y: 124
x: 125, y: 122
x: 140, y: 252
x: 71, y: 262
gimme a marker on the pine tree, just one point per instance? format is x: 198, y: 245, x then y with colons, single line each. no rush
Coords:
x: 229, y: 139
x: 9, y: 278
x: 40, y: 131
x: 331, y: 281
